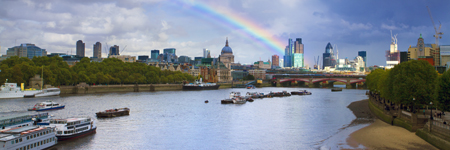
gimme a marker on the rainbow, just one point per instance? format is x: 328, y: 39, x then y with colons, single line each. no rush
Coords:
x: 233, y: 20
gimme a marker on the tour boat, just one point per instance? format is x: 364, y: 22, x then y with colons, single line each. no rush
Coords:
x: 239, y: 100
x: 199, y: 85
x: 20, y: 120
x: 47, y: 105
x: 113, y: 112
x: 71, y: 128
x: 27, y: 138
x: 11, y: 90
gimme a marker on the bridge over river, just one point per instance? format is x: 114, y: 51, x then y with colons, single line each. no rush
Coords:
x: 320, y: 80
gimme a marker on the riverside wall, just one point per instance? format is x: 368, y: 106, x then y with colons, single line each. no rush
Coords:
x: 93, y: 89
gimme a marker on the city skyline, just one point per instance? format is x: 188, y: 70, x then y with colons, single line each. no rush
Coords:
x: 192, y: 26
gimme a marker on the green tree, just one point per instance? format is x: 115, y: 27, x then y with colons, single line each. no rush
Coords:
x: 443, y: 91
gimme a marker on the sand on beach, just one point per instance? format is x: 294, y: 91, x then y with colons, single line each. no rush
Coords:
x: 380, y: 135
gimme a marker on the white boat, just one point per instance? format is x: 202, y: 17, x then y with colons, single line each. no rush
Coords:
x: 71, y: 128
x: 27, y: 138
x: 47, y: 105
x: 10, y: 90
x: 239, y: 100
x: 199, y: 85
x: 21, y: 120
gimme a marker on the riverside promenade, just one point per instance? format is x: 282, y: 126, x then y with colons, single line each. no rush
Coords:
x: 435, y: 131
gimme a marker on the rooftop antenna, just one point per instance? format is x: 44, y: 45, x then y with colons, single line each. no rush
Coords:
x: 438, y: 34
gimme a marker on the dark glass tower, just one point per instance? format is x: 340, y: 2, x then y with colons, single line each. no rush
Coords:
x: 363, y: 54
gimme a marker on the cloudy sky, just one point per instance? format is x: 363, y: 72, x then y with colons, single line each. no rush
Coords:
x: 144, y: 25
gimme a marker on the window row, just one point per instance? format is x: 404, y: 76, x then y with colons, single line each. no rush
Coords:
x: 31, y: 146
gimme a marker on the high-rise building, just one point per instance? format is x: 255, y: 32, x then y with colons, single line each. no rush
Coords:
x: 444, y: 55
x: 275, y: 61
x: 363, y: 54
x: 154, y: 54
x: 403, y: 57
x: 114, y: 50
x: 26, y: 50
x: 170, y: 51
x: 184, y: 59
x: 80, y: 48
x: 297, y: 59
x: 288, y: 53
x: 393, y: 55
x: 98, y: 50
x: 329, y: 59
x: 206, y: 53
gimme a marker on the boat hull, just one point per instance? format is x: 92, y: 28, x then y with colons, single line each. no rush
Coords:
x: 112, y: 114
x: 213, y: 87
x: 78, y: 135
x: 44, y: 109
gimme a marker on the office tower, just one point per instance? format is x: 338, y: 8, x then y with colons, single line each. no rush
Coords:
x: 297, y: 59
x: 98, y: 50
x: 363, y: 54
x: 170, y: 51
x: 114, y: 50
x: 143, y: 57
x: 26, y: 50
x: 275, y: 61
x: 329, y: 59
x: 80, y: 48
x: 206, y: 53
x: 154, y: 54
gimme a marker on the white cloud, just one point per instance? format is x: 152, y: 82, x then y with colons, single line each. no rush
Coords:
x: 356, y: 26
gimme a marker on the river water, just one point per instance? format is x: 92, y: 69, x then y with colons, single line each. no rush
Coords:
x: 181, y: 119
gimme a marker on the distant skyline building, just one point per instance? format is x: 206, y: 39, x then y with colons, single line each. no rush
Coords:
x: 154, y: 54
x: 114, y: 50
x: 97, y: 50
x: 288, y: 53
x: 80, y: 48
x: 445, y: 55
x: 170, y: 51
x: 297, y: 56
x: 206, y: 53
x: 184, y: 59
x: 275, y: 61
x: 143, y: 57
x: 328, y: 57
x: 26, y: 50
x: 363, y: 54
x: 393, y: 55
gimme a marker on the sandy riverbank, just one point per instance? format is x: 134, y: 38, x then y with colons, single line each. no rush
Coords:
x: 380, y: 135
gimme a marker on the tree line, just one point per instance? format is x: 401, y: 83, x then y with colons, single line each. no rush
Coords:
x: 414, y: 83
x: 56, y: 72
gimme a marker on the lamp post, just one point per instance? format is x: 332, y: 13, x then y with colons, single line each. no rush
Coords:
x: 413, y: 105
x: 431, y: 112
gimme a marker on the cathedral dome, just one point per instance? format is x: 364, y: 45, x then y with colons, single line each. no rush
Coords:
x: 227, y: 49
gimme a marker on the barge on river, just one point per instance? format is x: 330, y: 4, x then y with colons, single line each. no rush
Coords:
x: 199, y: 85
x: 113, y: 113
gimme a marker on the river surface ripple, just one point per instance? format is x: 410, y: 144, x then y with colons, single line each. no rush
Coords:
x: 181, y: 119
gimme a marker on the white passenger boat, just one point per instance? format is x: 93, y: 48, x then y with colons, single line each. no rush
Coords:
x: 47, y: 105
x: 71, y: 128
x: 11, y: 90
x: 27, y: 138
x: 20, y: 120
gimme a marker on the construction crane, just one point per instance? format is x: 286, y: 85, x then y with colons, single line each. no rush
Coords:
x: 123, y: 49
x: 316, y: 62
x: 438, y: 34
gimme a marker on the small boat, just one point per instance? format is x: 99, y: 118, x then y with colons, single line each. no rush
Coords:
x: 250, y: 86
x: 255, y: 94
x: 47, y: 105
x: 336, y: 89
x: 113, y: 112
x: 304, y: 92
x: 226, y: 101
x: 239, y: 100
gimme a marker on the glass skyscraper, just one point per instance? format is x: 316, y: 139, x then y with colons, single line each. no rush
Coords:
x: 154, y: 54
x: 363, y: 55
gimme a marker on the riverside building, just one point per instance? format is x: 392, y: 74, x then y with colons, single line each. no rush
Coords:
x: 26, y: 50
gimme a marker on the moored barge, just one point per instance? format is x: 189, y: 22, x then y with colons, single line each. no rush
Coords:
x: 113, y: 113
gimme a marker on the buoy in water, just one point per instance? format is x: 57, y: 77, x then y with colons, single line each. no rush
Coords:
x: 206, y: 101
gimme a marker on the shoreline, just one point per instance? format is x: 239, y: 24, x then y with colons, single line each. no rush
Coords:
x: 380, y: 135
